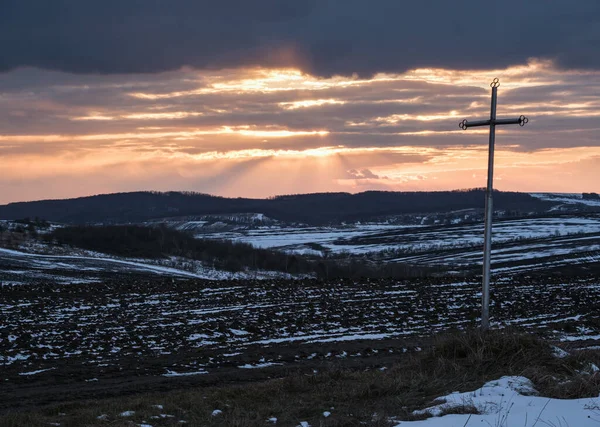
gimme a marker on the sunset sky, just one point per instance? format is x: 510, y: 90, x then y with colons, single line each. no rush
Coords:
x: 269, y: 97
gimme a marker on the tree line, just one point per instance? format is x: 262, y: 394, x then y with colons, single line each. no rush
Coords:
x: 159, y: 242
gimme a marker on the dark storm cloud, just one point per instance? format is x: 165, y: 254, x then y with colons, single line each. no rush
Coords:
x: 320, y: 36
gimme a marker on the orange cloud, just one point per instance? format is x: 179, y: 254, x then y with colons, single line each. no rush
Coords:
x: 261, y: 132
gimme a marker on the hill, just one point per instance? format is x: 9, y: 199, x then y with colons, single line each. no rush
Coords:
x: 312, y: 209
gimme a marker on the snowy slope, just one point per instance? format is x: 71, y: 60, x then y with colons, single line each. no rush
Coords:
x: 22, y: 267
x: 566, y: 198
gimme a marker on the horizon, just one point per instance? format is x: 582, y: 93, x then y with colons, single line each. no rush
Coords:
x: 294, y: 98
x: 195, y: 193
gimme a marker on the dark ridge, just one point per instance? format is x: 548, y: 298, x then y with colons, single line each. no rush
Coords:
x: 313, y: 209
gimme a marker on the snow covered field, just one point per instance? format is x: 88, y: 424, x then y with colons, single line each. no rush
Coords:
x: 18, y: 267
x: 378, y: 237
x: 295, y: 239
x: 515, y: 256
x: 191, y: 328
x: 536, y: 243
x: 566, y: 199
x: 518, y: 244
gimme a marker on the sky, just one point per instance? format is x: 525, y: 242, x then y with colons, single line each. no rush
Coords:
x: 255, y: 99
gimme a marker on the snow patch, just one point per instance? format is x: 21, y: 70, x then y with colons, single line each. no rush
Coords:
x: 259, y: 365
x: 183, y: 374
x: 509, y: 401
x: 35, y: 372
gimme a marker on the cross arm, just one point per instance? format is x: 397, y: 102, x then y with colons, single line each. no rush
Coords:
x: 465, y: 124
x: 516, y: 121
x: 473, y: 123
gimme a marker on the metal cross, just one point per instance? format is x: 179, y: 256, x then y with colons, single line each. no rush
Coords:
x: 489, y: 209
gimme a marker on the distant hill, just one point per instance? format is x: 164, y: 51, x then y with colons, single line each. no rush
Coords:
x: 313, y: 209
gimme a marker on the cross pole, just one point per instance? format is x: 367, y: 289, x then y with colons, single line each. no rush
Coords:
x: 489, y: 209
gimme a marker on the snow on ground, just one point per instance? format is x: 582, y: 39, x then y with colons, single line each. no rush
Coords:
x: 365, y: 238
x: 518, y: 244
x: 42, y: 266
x: 259, y: 365
x: 57, y: 261
x: 566, y: 198
x: 566, y: 240
x: 199, y: 329
x: 288, y: 237
x: 514, y: 252
x: 39, y: 371
x: 507, y: 402
x: 183, y: 374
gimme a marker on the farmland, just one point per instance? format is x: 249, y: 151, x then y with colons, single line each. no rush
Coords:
x: 447, y: 244
x: 65, y: 341
x: 364, y: 238
x: 518, y: 244
x: 78, y: 323
x: 18, y: 267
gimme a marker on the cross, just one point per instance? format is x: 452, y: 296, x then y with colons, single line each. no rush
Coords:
x: 489, y: 210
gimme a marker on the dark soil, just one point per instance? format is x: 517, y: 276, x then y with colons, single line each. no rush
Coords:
x: 123, y: 336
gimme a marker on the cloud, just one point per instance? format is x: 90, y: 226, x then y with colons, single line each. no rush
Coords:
x: 232, y: 132
x: 323, y: 37
x: 361, y: 174
x: 420, y: 107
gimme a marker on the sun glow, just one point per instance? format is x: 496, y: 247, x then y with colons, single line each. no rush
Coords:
x: 395, y: 118
x: 93, y: 116
x: 158, y: 116
x: 141, y: 116
x: 320, y: 152
x: 534, y: 73
x: 248, y: 131
x: 310, y: 103
x: 269, y: 81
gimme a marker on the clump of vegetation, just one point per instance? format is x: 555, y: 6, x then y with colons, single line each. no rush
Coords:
x: 15, y: 233
x: 508, y: 352
x: 590, y: 196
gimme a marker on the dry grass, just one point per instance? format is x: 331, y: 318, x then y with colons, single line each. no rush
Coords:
x: 460, y: 361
